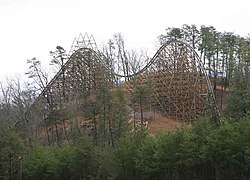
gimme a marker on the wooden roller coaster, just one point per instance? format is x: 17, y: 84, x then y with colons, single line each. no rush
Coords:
x: 182, y: 89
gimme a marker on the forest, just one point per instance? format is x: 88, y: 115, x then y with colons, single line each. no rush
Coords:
x: 114, y: 147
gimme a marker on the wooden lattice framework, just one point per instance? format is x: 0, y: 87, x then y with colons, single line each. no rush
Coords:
x: 182, y: 88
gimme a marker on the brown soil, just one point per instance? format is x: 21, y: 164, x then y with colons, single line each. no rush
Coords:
x: 161, y: 124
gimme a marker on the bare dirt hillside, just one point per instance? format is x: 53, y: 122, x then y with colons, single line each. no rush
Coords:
x: 160, y: 124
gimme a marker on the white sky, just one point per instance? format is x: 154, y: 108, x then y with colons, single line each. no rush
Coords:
x: 32, y: 28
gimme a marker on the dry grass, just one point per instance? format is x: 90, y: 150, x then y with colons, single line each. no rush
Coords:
x: 160, y: 124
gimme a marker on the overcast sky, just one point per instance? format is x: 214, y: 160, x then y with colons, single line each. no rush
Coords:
x: 32, y: 28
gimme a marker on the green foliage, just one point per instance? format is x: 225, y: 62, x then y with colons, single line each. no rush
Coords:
x: 12, y: 150
x: 202, y: 151
x: 238, y: 103
x: 126, y: 152
x: 174, y: 33
x: 91, y: 109
x: 108, y: 112
x: 57, y: 116
x: 145, y: 158
x: 107, y: 163
x: 67, y: 157
x: 41, y: 164
x: 198, y: 152
x: 69, y: 162
x: 86, y: 161
x: 119, y: 114
x: 171, y: 153
x: 140, y: 95
x: 104, y: 99
x: 143, y: 97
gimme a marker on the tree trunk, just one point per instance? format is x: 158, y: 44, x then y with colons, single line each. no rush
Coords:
x: 57, y: 135
x: 104, y: 122
x: 141, y: 110
x: 10, y: 166
x: 65, y: 131
x: 95, y: 130
x: 78, y: 127
x: 215, y: 67
x: 47, y: 133
x: 111, y: 134
x: 134, y: 116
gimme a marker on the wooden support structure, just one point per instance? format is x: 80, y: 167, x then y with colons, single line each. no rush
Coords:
x: 182, y: 88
